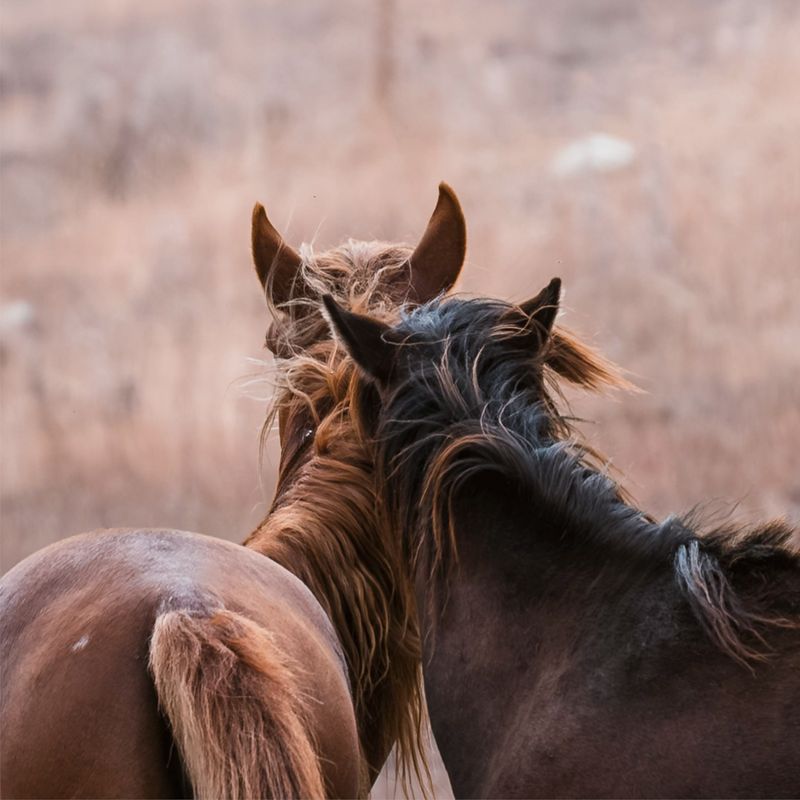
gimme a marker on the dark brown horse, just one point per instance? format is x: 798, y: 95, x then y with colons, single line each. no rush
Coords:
x: 573, y: 645
x: 151, y: 663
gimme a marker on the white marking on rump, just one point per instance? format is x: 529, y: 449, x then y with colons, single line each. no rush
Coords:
x: 80, y: 644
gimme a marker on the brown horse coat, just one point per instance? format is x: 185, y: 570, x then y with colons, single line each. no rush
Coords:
x: 76, y: 626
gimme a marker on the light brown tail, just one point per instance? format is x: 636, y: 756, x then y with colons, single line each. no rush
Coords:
x: 236, y: 712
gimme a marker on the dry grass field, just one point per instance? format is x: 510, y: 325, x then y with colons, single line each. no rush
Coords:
x: 645, y: 151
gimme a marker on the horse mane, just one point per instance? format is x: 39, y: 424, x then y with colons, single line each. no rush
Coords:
x: 488, y: 405
x: 371, y: 276
x: 324, y: 527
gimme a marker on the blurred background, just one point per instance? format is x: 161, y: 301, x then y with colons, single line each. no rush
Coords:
x: 645, y: 151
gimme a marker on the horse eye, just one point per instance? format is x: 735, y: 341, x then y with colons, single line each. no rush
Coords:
x: 308, y: 433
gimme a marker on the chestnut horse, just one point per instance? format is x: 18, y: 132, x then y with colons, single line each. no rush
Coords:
x: 157, y: 663
x: 573, y: 646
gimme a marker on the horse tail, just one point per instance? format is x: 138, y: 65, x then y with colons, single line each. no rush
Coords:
x: 237, y: 714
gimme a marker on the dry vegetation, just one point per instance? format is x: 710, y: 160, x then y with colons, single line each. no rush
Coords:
x: 137, y: 135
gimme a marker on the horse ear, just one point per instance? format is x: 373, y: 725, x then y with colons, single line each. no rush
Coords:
x: 277, y: 264
x: 542, y: 310
x: 437, y: 260
x: 364, y: 339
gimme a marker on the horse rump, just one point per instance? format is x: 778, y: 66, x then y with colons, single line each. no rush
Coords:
x: 235, y: 708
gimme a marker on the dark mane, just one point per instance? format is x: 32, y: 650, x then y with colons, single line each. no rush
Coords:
x: 479, y: 399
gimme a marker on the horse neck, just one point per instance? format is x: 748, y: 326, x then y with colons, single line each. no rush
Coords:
x: 526, y: 612
x: 337, y: 553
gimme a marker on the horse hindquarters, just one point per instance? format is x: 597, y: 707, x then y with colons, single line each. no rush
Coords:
x: 235, y: 708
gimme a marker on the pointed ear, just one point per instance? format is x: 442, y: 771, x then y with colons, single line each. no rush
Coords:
x: 277, y: 264
x: 542, y: 310
x: 364, y: 338
x: 439, y: 256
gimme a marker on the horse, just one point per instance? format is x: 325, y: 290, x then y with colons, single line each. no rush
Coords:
x: 161, y: 663
x: 573, y: 645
